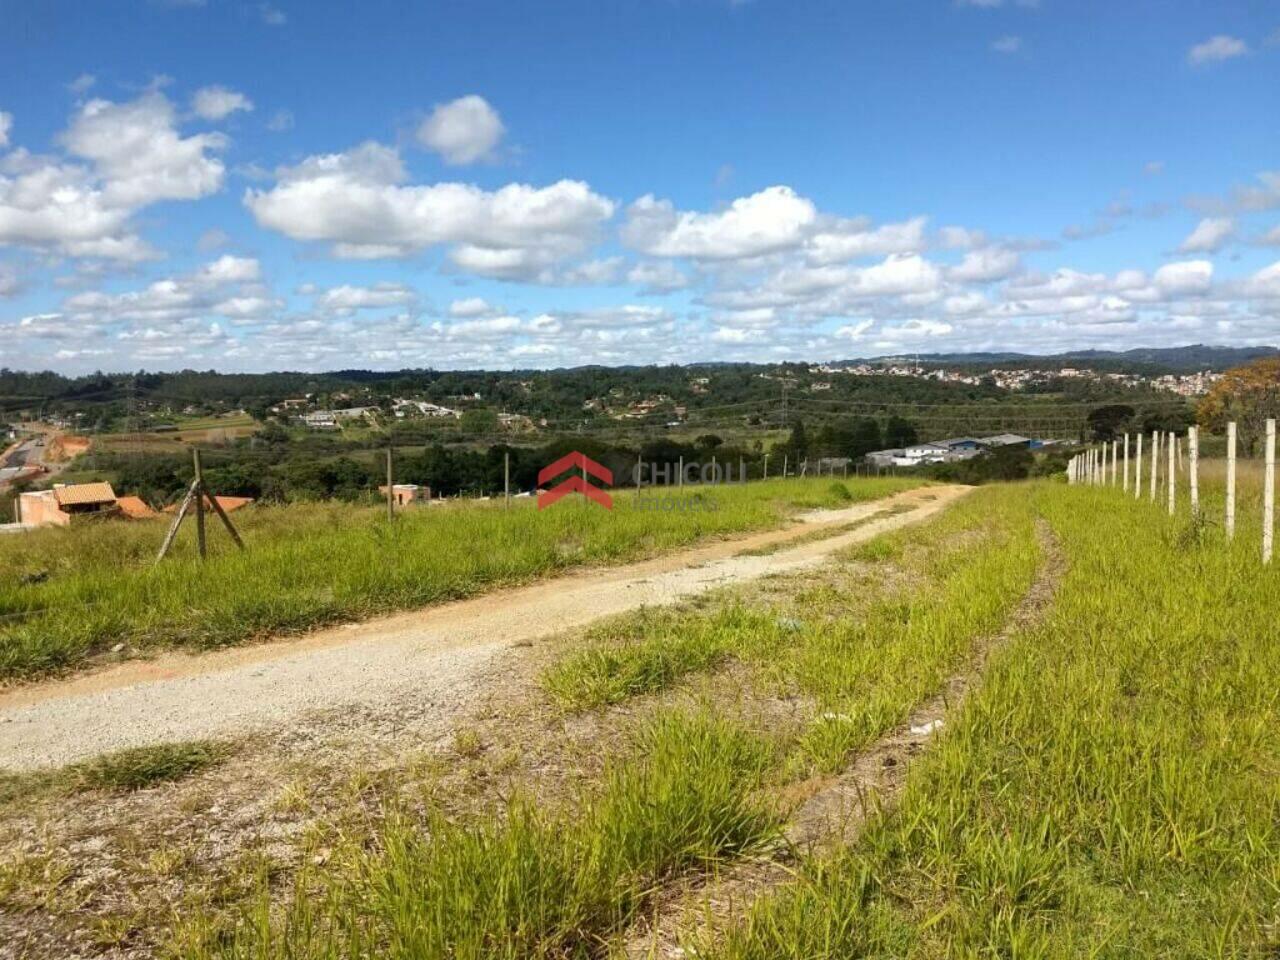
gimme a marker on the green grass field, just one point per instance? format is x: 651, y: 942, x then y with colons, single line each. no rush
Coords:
x: 1108, y: 790
x: 67, y: 593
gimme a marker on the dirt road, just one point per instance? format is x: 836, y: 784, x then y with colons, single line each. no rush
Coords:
x: 431, y: 657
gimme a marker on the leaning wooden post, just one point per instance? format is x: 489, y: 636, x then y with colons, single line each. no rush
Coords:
x: 1137, y: 472
x: 1125, y: 488
x: 1173, y: 473
x: 226, y: 521
x: 391, y: 488
x: 1269, y: 492
x: 1193, y: 469
x: 200, y: 495
x: 1155, y: 461
x: 786, y: 458
x: 177, y: 521
x: 1230, y: 525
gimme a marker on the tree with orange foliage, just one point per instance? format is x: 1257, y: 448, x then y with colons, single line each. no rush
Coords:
x: 1249, y: 395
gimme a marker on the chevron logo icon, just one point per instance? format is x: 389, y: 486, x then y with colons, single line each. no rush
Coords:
x: 583, y: 466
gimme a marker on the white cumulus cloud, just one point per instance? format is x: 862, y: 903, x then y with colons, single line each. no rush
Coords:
x: 462, y: 131
x: 358, y: 202
x: 215, y: 103
x: 772, y: 220
x: 1209, y: 235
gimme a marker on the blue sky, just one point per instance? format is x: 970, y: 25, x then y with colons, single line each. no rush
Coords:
x: 254, y: 186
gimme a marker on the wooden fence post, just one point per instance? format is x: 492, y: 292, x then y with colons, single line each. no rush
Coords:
x: 1269, y: 492
x: 1230, y: 525
x: 1125, y: 488
x: 1115, y: 450
x: 1137, y: 472
x: 506, y: 477
x: 1173, y: 474
x: 1193, y: 469
x: 391, y: 488
x: 200, y: 537
x: 680, y: 478
x: 785, y: 460
x: 766, y: 467
x: 1155, y: 461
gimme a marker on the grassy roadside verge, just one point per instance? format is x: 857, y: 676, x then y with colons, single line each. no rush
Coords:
x: 67, y: 594
x: 132, y: 769
x: 534, y: 882
x: 1109, y: 791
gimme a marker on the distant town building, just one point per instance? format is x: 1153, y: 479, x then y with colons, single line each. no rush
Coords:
x: 404, y: 494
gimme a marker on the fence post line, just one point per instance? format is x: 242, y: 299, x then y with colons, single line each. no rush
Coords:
x: 1230, y: 525
x: 1269, y: 492
x: 1137, y: 472
x: 1193, y: 469
x: 1173, y: 472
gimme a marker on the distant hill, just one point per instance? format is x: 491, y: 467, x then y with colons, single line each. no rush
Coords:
x: 1196, y: 356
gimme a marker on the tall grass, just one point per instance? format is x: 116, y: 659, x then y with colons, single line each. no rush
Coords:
x: 68, y: 593
x: 532, y: 883
x: 1111, y: 789
x: 863, y: 665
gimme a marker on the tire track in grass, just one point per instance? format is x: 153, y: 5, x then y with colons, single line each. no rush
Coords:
x: 699, y: 911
